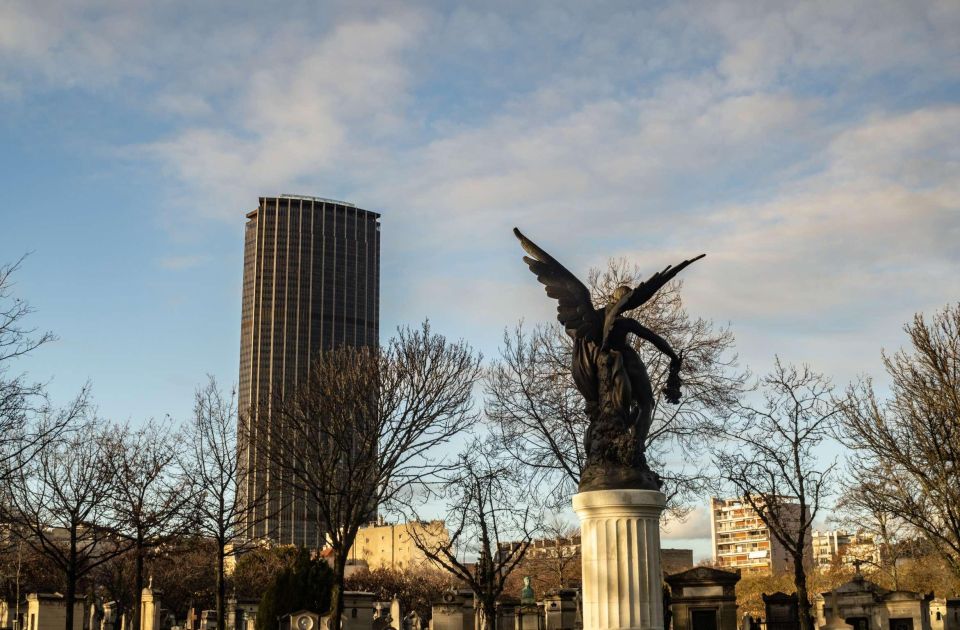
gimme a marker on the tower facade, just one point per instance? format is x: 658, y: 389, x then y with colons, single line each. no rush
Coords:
x: 311, y: 281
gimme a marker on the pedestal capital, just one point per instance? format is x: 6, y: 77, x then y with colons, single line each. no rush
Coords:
x: 606, y: 503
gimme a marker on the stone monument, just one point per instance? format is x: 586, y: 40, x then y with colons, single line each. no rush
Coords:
x: 619, y: 500
x: 704, y: 598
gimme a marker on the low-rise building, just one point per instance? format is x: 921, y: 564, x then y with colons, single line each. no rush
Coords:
x: 393, y: 546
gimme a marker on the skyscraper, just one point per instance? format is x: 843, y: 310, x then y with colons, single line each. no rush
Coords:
x: 311, y: 281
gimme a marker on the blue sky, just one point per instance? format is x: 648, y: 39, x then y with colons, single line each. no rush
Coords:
x: 811, y: 149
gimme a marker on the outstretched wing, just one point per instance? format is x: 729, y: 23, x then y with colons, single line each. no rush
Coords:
x: 575, y: 309
x: 649, y: 287
x: 643, y: 292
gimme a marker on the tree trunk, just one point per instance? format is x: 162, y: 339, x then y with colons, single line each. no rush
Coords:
x: 336, y: 593
x: 489, y: 611
x: 71, y: 575
x: 803, y: 598
x: 221, y: 591
x: 137, y: 608
x: 70, y: 596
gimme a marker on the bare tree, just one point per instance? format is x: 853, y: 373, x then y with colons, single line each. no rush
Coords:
x: 27, y: 420
x: 772, y: 461
x: 858, y: 509
x: 362, y: 431
x: 555, y: 559
x: 60, y: 503
x: 150, y: 498
x: 490, y: 521
x: 911, y: 441
x: 212, y: 464
x: 538, y: 412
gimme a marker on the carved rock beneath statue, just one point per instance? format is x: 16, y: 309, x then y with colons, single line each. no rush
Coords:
x: 606, y: 477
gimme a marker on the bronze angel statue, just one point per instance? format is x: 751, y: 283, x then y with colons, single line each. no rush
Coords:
x: 608, y: 372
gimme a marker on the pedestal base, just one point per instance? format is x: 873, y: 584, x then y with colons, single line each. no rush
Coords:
x: 620, y: 547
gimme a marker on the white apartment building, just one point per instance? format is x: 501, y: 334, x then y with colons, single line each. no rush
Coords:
x: 742, y: 541
x: 828, y: 546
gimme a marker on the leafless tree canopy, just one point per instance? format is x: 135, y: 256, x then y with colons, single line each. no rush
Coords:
x: 363, y: 431
x: 556, y: 563
x: 27, y: 419
x: 538, y: 413
x: 60, y: 502
x: 908, y: 446
x: 211, y: 463
x: 486, y: 507
x: 859, y: 510
x: 772, y: 460
x: 150, y: 497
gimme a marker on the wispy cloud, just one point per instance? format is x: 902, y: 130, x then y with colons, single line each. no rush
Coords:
x: 809, y: 148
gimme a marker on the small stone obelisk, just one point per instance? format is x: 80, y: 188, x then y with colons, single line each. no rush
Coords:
x: 620, y: 547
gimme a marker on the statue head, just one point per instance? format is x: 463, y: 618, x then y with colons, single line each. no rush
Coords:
x: 619, y: 292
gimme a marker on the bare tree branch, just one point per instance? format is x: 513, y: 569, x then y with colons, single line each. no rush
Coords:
x: 486, y: 508
x: 771, y: 459
x: 363, y: 431
x: 912, y: 440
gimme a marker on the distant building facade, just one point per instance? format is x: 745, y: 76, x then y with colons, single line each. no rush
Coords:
x: 676, y: 560
x: 311, y: 281
x: 742, y: 541
x: 839, y: 545
x: 392, y: 546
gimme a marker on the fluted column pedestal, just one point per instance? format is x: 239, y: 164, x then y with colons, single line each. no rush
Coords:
x: 620, y: 546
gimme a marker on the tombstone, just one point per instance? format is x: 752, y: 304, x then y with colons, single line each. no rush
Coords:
x: 150, y: 608
x: 835, y: 622
x: 300, y: 620
x: 452, y: 612
x: 506, y: 611
x: 865, y: 605
x: 951, y: 620
x: 109, y: 616
x: 782, y: 611
x: 703, y: 598
x: 396, y: 614
x: 242, y: 613
x: 193, y: 619
x: 938, y: 613
x: 208, y: 620
x: 48, y: 611
x: 560, y: 610
x: 357, y: 610
x: 381, y: 616
x: 528, y: 613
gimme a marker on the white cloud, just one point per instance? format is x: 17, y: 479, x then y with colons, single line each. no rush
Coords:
x: 804, y: 146
x: 696, y: 525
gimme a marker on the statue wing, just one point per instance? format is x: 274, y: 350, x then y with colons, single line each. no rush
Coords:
x: 644, y: 291
x: 649, y: 287
x: 575, y: 308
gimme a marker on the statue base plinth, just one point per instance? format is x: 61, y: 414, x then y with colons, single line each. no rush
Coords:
x: 607, y: 477
x: 620, y: 548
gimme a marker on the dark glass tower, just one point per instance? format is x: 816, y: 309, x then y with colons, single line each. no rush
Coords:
x: 311, y: 280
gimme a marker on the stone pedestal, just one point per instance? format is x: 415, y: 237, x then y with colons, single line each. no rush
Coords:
x: 620, y: 545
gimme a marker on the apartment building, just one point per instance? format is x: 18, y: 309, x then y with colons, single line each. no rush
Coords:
x: 830, y: 546
x: 742, y: 541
